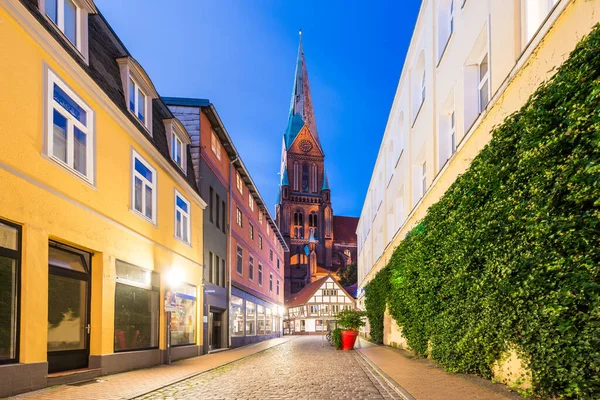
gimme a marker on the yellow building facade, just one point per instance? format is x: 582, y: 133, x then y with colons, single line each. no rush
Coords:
x: 99, y: 215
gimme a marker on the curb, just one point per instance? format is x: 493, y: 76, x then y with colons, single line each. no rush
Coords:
x: 192, y: 375
x: 387, y: 379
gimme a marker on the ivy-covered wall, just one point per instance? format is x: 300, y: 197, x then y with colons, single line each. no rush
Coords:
x: 510, y: 255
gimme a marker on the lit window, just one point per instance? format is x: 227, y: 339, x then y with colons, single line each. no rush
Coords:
x: 240, y: 220
x: 251, y: 231
x: 250, y: 201
x: 240, y: 257
x: 144, y: 188
x: 137, y: 101
x: 214, y: 144
x: 260, y: 274
x: 182, y: 218
x: 483, y: 86
x: 70, y: 129
x: 260, y: 218
x: 239, y: 183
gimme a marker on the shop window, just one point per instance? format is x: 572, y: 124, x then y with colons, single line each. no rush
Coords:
x: 143, y: 188
x: 250, y: 319
x: 10, y: 258
x: 136, y: 308
x: 237, y: 316
x: 260, y: 310
x: 182, y: 217
x: 183, y: 319
x: 70, y: 132
x: 268, y: 321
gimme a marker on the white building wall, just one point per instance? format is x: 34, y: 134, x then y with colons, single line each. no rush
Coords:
x: 503, y: 30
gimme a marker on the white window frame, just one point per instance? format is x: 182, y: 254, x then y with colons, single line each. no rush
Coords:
x: 452, y: 133
x: 215, y: 145
x: 271, y: 282
x: 529, y: 32
x: 72, y: 122
x: 188, y: 215
x: 153, y: 185
x: 81, y: 20
x: 174, y: 136
x: 423, y: 178
x: 482, y: 80
x: 136, y: 103
x: 260, y: 274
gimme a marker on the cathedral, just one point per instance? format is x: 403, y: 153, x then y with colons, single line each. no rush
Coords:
x: 320, y: 243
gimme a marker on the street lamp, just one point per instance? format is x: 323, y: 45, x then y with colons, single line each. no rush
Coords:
x: 173, y: 279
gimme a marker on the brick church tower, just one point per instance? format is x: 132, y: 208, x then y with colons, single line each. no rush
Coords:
x: 304, y: 211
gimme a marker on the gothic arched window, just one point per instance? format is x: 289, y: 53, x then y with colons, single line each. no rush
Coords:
x: 313, y: 178
x: 305, y: 178
x: 296, y: 176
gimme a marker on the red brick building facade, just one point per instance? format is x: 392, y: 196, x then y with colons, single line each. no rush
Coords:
x: 304, y: 210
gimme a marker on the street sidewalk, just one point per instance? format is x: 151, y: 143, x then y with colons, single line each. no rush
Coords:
x: 128, y: 385
x: 422, y: 379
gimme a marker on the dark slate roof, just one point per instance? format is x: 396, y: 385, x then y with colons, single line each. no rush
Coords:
x: 104, y: 48
x: 344, y: 230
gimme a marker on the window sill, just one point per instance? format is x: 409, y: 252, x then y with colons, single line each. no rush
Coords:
x: 417, y: 114
x: 66, y: 39
x: 188, y: 244
x: 70, y: 170
x: 143, y: 216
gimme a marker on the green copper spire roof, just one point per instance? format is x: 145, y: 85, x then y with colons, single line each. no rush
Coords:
x: 325, y: 180
x: 284, y: 179
x: 301, y: 109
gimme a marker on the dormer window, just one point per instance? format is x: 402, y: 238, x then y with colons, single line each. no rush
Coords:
x: 137, y: 101
x: 138, y: 90
x: 70, y: 17
x: 178, y: 139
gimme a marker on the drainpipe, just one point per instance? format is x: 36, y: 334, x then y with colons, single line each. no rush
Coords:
x: 228, y: 239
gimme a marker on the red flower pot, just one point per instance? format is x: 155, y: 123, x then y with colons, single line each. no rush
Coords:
x: 348, y: 339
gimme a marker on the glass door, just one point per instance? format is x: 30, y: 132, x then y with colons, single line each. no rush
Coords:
x: 68, y: 308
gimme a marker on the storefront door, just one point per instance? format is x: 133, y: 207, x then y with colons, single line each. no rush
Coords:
x: 68, y: 308
x: 214, y: 324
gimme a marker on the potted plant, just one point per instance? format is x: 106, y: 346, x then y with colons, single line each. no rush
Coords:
x: 350, y: 321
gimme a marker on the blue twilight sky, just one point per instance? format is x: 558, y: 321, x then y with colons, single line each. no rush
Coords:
x: 240, y: 54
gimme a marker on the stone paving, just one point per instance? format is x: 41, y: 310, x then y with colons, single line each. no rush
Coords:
x: 299, y: 369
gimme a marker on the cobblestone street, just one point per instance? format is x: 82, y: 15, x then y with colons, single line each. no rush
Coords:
x: 298, y: 369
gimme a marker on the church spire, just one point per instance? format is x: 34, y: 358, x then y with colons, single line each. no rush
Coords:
x: 301, y: 108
